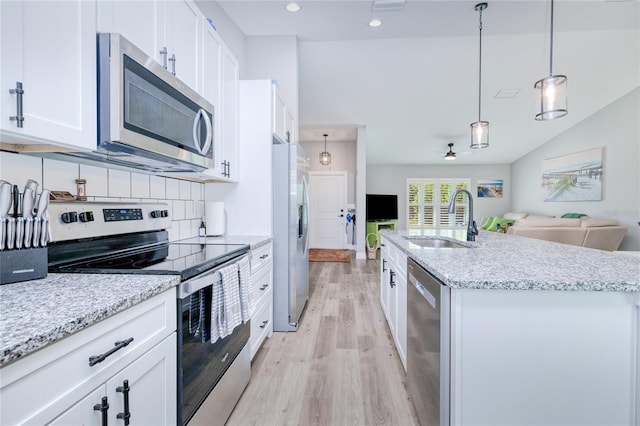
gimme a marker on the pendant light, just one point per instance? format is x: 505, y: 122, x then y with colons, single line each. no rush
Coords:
x: 480, y: 129
x: 552, y: 90
x: 450, y: 155
x: 325, y: 157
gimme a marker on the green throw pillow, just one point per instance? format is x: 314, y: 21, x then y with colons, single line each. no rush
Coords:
x: 487, y: 222
x: 497, y: 221
x: 572, y: 215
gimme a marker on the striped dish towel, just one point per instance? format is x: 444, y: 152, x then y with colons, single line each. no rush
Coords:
x: 227, y: 314
x: 246, y: 290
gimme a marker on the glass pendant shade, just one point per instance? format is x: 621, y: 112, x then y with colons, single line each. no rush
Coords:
x: 552, y: 94
x: 325, y: 157
x: 479, y: 134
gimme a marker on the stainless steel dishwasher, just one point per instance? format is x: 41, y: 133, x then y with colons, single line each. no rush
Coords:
x: 428, y: 339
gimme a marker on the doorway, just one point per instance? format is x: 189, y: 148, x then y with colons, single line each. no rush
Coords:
x: 327, y: 209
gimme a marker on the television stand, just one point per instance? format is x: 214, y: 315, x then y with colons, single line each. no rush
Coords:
x: 374, y: 227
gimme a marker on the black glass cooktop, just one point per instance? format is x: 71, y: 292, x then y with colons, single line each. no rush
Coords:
x: 186, y: 260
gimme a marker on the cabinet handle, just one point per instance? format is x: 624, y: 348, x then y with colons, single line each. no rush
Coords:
x: 392, y: 275
x: 103, y: 408
x: 163, y: 52
x: 125, y: 393
x: 264, y: 287
x: 19, y: 117
x: 264, y: 256
x: 96, y: 359
x: 384, y: 265
x: 264, y: 323
x: 228, y: 169
x: 172, y: 59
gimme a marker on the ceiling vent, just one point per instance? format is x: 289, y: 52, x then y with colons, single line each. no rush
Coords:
x: 387, y: 5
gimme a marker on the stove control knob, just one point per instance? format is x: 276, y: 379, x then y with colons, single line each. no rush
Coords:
x: 155, y: 213
x: 164, y: 213
x: 86, y: 217
x: 69, y: 217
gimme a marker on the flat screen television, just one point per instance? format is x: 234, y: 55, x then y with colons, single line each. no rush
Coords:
x: 382, y: 207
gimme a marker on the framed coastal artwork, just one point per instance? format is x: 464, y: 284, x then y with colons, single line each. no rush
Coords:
x: 490, y: 188
x: 574, y: 177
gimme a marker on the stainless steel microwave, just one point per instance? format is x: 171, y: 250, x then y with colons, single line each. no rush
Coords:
x: 147, y: 117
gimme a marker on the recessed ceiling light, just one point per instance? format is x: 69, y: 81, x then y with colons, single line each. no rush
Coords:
x: 293, y: 7
x: 375, y: 23
x: 507, y: 93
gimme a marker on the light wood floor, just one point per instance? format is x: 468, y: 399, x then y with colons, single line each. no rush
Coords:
x: 341, y: 366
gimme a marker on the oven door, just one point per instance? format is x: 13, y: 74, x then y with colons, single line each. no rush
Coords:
x: 144, y: 108
x: 201, y: 364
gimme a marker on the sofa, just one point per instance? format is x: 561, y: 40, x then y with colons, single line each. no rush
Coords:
x: 574, y: 229
x: 585, y: 231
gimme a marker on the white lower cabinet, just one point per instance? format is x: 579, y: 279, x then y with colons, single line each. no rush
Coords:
x: 262, y: 283
x: 59, y: 385
x: 393, y: 295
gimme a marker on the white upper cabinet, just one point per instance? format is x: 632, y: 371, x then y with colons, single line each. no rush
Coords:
x: 229, y: 114
x: 182, y: 37
x: 49, y: 49
x: 283, y: 119
x: 168, y: 31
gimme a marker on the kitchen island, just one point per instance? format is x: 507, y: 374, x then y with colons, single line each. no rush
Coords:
x: 538, y: 332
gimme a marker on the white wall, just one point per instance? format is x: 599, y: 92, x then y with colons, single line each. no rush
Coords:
x: 383, y: 179
x: 185, y: 199
x: 343, y: 157
x: 617, y: 129
x: 275, y: 58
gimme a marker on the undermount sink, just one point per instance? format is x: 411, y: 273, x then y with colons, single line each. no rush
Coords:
x: 434, y: 242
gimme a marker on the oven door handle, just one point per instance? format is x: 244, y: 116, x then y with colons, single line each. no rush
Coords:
x: 187, y: 288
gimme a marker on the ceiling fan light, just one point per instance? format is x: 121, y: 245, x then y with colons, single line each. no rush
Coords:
x: 479, y: 134
x: 552, y: 97
x: 450, y: 155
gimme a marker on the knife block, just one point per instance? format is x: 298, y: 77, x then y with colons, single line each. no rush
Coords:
x: 23, y: 265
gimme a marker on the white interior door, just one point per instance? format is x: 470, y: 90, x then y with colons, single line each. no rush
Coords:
x: 327, y: 207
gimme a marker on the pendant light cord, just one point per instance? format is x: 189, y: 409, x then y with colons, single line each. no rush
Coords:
x: 480, y: 68
x: 551, y: 44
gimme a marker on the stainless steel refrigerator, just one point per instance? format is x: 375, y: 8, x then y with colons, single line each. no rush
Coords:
x: 290, y: 235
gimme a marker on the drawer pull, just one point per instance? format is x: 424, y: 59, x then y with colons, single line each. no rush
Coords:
x: 264, y: 256
x: 264, y: 323
x: 103, y: 408
x: 264, y: 287
x: 93, y: 360
x: 125, y: 393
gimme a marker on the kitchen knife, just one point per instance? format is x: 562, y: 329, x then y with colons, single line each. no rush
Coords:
x: 36, y: 231
x: 28, y: 229
x: 16, y: 200
x: 44, y: 232
x: 5, y: 206
x: 19, y: 232
x: 27, y: 202
x: 33, y: 186
x: 43, y: 204
x: 11, y: 232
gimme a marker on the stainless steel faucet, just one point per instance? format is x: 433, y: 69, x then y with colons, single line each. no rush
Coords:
x: 472, y: 230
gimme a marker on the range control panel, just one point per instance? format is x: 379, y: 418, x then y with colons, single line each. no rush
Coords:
x: 76, y: 219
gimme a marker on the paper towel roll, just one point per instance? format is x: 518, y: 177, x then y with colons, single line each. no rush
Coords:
x: 214, y: 218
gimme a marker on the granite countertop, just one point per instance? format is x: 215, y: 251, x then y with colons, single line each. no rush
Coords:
x: 253, y: 241
x: 36, y: 313
x: 510, y: 262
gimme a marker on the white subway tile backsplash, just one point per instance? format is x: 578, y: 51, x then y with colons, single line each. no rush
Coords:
x: 59, y: 175
x: 174, y: 231
x: 185, y: 229
x: 173, y: 189
x: 197, y: 191
x: 139, y: 185
x: 157, y: 187
x: 185, y: 190
x: 97, y: 180
x: 189, y: 211
x: 178, y: 210
x: 17, y: 169
x: 119, y: 183
x: 198, y: 209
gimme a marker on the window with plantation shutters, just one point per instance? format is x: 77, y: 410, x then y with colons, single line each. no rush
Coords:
x: 428, y: 203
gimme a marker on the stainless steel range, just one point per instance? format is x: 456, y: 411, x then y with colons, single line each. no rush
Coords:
x: 93, y: 237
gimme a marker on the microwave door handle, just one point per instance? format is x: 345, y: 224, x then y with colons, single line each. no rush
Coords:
x: 202, y: 149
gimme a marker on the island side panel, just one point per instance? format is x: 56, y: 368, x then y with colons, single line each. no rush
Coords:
x: 543, y: 357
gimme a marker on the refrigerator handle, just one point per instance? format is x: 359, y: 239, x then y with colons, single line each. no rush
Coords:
x: 305, y: 212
